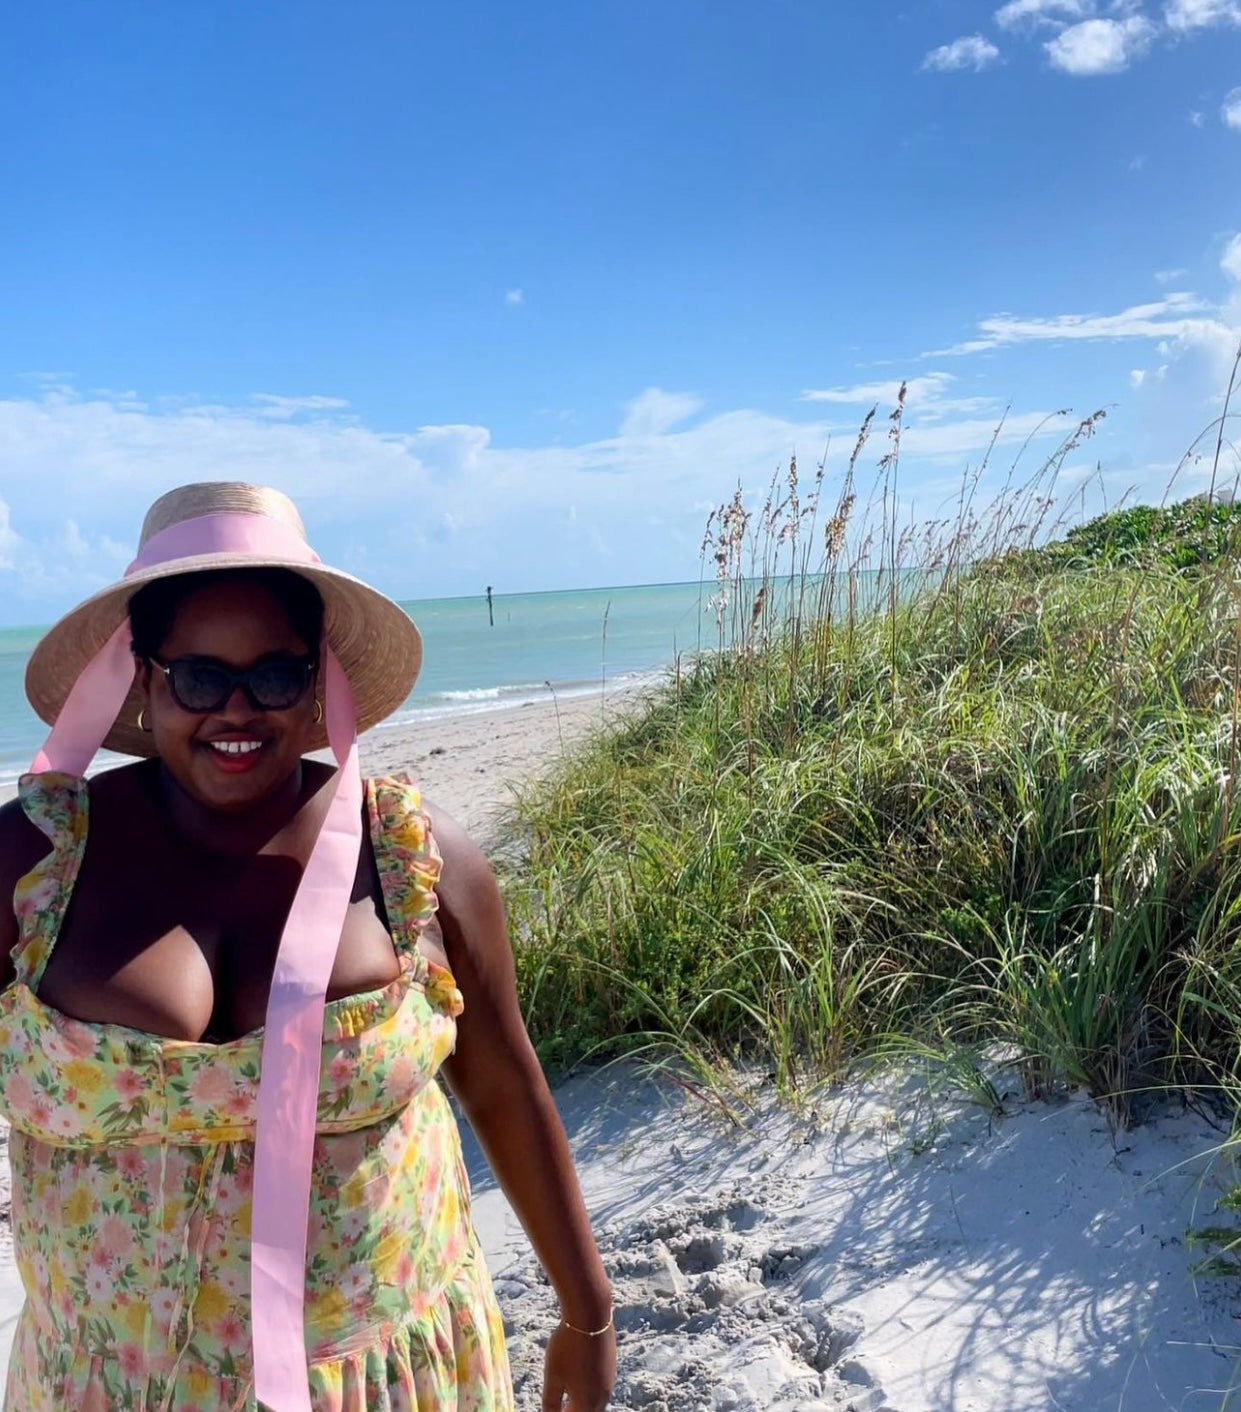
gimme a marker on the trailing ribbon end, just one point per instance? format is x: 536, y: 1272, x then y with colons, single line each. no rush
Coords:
x: 289, y: 1078
x: 90, y: 710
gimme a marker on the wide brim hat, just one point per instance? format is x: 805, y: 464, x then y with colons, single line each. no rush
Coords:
x: 373, y: 638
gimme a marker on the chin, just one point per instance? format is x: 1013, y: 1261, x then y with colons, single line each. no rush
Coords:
x: 233, y: 789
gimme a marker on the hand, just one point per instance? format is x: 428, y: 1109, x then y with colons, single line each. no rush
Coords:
x: 579, y: 1368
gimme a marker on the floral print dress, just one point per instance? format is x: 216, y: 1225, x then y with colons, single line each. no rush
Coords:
x: 132, y: 1159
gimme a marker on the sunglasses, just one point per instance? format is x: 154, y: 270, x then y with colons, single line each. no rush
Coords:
x: 202, y: 684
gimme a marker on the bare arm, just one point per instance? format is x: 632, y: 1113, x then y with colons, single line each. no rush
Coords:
x: 501, y: 1088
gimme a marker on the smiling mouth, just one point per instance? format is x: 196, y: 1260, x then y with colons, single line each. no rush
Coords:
x: 235, y: 747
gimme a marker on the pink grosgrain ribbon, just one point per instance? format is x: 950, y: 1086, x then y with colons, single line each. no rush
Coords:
x: 293, y: 1033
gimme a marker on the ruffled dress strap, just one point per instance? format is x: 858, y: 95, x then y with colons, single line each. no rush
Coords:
x: 407, y: 858
x: 58, y: 805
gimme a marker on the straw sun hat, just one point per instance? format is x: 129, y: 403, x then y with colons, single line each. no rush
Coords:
x: 375, y: 641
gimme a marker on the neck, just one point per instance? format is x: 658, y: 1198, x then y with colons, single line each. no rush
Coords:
x: 239, y: 831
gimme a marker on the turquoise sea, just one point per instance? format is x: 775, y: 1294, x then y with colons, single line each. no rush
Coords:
x: 576, y: 641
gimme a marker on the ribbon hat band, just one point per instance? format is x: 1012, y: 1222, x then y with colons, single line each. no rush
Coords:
x: 293, y: 1034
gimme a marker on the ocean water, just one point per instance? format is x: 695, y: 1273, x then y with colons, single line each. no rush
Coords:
x: 575, y: 641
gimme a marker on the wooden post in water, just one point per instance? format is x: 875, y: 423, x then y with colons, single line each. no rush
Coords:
x: 490, y: 615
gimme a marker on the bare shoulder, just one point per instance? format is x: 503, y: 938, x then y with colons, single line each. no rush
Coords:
x: 465, y: 867
x: 471, y: 913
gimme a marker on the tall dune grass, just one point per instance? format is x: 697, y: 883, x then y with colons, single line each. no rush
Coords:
x: 942, y: 789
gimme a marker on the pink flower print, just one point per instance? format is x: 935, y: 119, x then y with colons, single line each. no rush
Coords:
x: 130, y: 1163
x: 20, y: 1093
x: 162, y: 1303
x: 339, y: 1071
x: 132, y: 1360
x: 211, y: 1085
x: 356, y: 1280
x: 55, y: 1047
x: 404, y: 1269
x: 65, y: 1123
x: 239, y: 1104
x: 400, y: 1076
x: 115, y: 1239
x: 80, y: 1040
x: 40, y: 1113
x: 232, y: 1281
x: 353, y: 1221
x: 128, y: 1086
x: 230, y: 1330
x: 99, y: 1285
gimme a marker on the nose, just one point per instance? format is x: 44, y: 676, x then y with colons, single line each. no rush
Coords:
x: 238, y: 707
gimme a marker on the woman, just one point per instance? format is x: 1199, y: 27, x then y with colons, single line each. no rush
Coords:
x: 233, y: 974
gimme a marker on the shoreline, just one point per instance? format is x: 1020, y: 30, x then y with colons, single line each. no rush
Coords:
x: 468, y: 762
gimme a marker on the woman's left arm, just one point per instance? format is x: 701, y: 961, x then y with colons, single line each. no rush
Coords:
x: 499, y: 1083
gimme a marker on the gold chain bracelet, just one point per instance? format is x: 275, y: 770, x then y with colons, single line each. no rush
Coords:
x: 590, y: 1333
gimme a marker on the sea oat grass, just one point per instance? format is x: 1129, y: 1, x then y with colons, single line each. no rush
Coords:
x: 970, y: 796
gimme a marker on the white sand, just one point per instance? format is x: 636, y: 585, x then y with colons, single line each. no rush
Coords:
x: 882, y: 1253
x: 886, y: 1254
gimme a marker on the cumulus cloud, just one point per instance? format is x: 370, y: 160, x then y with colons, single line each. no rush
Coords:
x: 1183, y: 16
x: 1230, y: 260
x: 656, y: 411
x: 971, y: 51
x: 1035, y: 12
x: 1100, y: 46
x: 1230, y: 110
x: 513, y: 297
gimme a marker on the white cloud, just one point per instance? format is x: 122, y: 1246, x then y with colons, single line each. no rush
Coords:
x: 1165, y: 318
x: 1183, y: 16
x: 514, y: 297
x: 1197, y: 119
x: 925, y: 395
x: 926, y: 388
x: 436, y: 510
x: 971, y: 51
x: 1034, y: 12
x: 1100, y: 46
x: 1169, y: 276
x: 282, y: 408
x: 655, y: 412
x: 1230, y: 110
x: 1137, y: 377
x: 10, y: 542
x: 1230, y: 260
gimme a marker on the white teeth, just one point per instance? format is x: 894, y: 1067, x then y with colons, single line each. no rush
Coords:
x: 236, y: 747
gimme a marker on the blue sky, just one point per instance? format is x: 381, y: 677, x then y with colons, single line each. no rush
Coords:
x: 512, y: 295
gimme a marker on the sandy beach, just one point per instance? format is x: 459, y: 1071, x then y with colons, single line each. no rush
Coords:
x: 880, y: 1249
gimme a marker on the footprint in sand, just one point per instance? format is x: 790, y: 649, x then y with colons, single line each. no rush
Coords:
x: 708, y: 1316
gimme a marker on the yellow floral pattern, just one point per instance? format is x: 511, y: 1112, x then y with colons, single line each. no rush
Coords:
x: 132, y: 1161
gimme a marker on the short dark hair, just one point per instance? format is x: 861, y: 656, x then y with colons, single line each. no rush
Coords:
x: 154, y: 607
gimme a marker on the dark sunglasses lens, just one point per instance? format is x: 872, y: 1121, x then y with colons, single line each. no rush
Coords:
x: 275, y: 686
x: 199, y: 686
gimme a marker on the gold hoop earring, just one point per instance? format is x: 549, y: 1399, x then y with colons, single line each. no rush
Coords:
x: 142, y: 720
x: 318, y: 711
